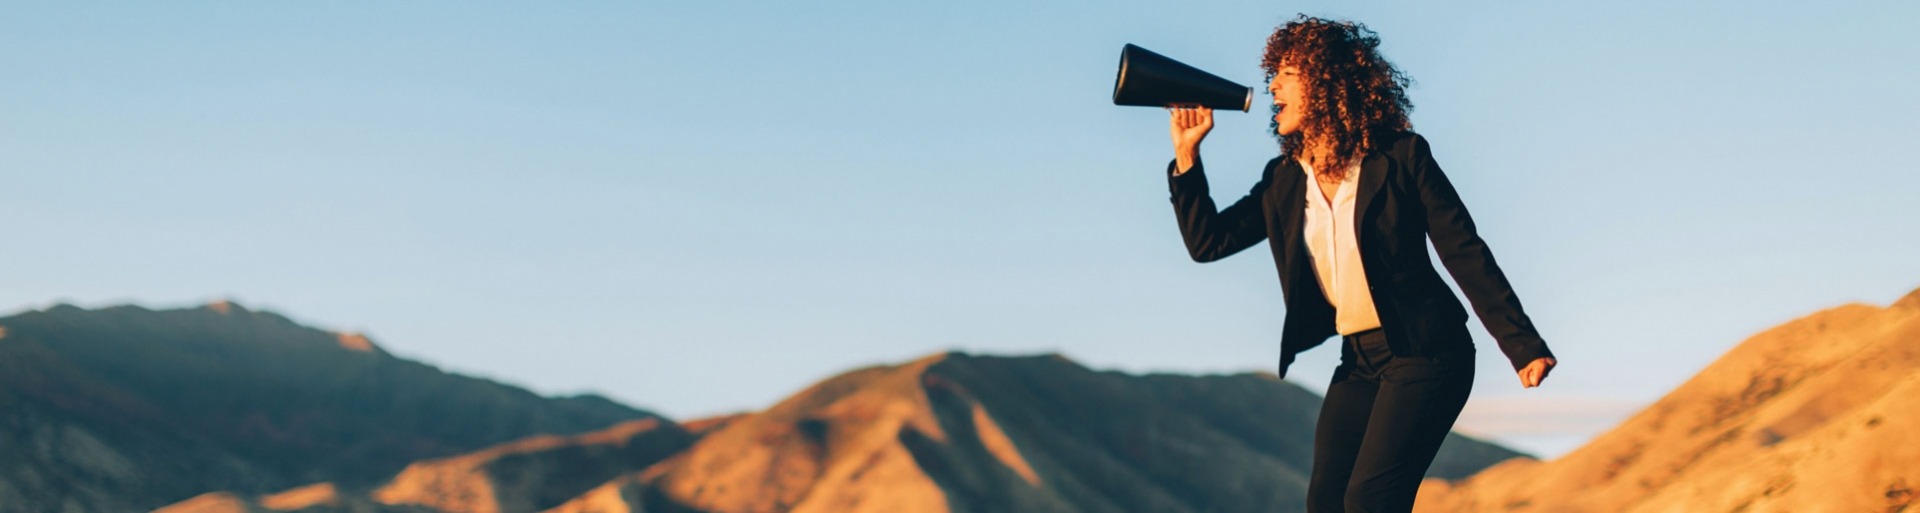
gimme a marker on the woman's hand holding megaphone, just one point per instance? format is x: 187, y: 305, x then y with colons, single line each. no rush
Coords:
x: 1189, y: 125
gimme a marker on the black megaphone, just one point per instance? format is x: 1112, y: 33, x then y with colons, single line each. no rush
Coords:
x: 1148, y: 79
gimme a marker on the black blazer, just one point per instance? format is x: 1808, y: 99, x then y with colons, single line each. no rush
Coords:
x: 1403, y: 199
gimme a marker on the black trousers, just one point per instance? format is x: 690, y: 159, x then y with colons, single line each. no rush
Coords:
x: 1382, y: 422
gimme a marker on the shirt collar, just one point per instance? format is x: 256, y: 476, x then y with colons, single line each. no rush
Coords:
x: 1353, y: 169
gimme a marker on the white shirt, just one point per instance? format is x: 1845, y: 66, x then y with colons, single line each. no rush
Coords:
x: 1330, y: 238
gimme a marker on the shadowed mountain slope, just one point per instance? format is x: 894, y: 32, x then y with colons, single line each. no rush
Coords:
x: 1818, y: 414
x: 127, y: 409
x: 947, y: 432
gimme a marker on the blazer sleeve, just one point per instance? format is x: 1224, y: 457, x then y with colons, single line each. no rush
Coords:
x: 1212, y: 235
x: 1471, y: 263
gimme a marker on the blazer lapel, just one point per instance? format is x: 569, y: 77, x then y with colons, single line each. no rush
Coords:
x: 1373, y: 173
x: 1292, y: 202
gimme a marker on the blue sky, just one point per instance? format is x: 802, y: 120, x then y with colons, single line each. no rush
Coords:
x: 700, y: 207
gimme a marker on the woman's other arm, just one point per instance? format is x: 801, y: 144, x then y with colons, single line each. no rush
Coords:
x: 1471, y: 263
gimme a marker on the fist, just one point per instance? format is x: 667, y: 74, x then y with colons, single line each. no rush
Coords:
x: 1536, y: 371
x: 1188, y: 126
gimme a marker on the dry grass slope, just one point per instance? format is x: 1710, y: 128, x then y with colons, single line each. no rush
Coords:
x: 1818, y: 414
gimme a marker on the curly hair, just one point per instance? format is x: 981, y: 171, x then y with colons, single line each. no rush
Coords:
x: 1354, y: 97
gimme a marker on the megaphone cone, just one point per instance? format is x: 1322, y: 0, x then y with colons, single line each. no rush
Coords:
x: 1148, y: 79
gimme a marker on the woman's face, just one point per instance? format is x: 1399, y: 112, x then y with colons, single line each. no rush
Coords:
x: 1289, y: 98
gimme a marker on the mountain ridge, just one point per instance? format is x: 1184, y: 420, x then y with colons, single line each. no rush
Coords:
x: 949, y: 431
x: 123, y: 407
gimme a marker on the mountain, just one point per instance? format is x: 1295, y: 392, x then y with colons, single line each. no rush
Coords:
x: 128, y: 409
x: 964, y: 433
x: 525, y: 475
x: 1818, y: 414
x: 947, y: 432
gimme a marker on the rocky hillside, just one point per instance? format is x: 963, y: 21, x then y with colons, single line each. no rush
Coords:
x: 1819, y: 414
x: 947, y: 432
x: 129, y: 409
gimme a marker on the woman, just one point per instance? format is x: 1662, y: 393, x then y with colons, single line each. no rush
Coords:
x: 1349, y: 205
